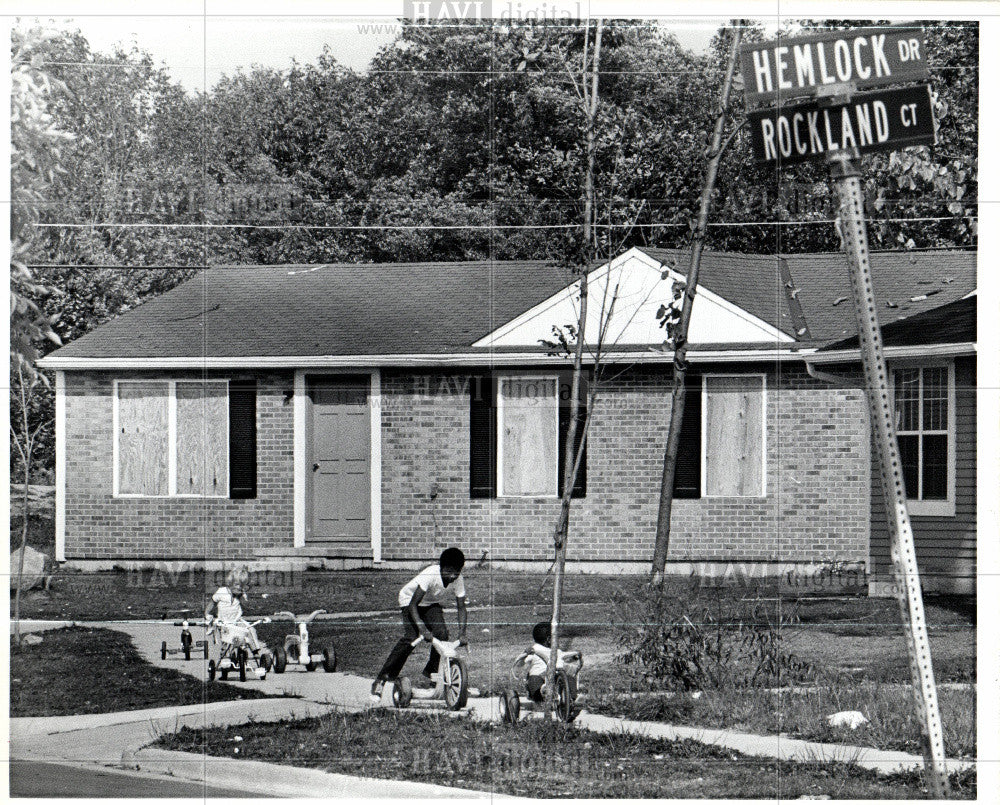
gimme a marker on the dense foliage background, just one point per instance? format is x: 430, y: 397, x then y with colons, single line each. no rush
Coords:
x: 474, y: 130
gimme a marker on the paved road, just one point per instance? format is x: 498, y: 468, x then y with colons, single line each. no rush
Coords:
x: 52, y: 780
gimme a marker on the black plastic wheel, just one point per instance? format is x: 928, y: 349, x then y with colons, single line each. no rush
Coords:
x: 564, y: 698
x: 402, y: 692
x: 456, y: 693
x: 266, y: 661
x: 329, y: 659
x: 510, y: 706
x: 211, y: 670
x: 163, y: 650
x: 280, y: 660
x: 186, y: 639
x: 223, y: 672
x: 187, y: 652
x: 242, y: 662
x: 206, y: 649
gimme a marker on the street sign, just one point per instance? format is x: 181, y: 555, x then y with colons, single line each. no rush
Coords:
x: 786, y: 69
x: 872, y: 121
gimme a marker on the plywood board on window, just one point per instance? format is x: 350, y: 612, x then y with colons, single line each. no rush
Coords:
x: 202, y: 439
x: 530, y: 436
x: 734, y: 440
x: 142, y: 438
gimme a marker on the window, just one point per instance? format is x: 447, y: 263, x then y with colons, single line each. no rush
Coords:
x: 528, y: 411
x: 733, y: 436
x: 924, y: 406
x: 172, y: 438
x: 519, y: 424
x: 723, y: 440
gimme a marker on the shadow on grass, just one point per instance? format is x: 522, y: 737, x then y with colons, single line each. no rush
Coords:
x: 77, y: 670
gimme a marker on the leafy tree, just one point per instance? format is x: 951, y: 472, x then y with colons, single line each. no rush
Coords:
x: 37, y: 145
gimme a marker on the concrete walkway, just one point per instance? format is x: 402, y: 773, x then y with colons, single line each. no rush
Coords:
x: 119, y: 738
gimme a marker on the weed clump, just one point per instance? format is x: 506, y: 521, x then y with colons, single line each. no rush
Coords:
x: 705, y: 641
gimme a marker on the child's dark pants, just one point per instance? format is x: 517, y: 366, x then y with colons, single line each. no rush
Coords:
x: 433, y: 618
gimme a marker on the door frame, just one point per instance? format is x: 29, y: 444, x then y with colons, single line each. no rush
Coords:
x: 301, y: 451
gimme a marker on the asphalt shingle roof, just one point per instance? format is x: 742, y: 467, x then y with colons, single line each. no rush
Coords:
x: 954, y: 323
x: 439, y: 308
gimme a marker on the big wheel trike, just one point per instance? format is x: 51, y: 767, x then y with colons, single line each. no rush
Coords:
x: 188, y: 643
x: 296, y: 650
x: 451, y: 681
x: 567, y: 675
x: 230, y: 651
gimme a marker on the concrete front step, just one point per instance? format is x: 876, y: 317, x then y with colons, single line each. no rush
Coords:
x: 327, y: 556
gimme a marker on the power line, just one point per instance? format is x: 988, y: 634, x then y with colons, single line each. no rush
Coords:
x: 485, y: 227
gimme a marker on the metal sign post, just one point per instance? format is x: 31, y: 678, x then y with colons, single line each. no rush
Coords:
x: 904, y: 558
x: 839, y: 124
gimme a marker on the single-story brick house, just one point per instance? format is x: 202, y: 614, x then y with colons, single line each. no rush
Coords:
x: 371, y: 414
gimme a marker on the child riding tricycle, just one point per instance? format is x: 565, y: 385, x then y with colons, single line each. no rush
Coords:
x: 233, y: 643
x: 529, y: 672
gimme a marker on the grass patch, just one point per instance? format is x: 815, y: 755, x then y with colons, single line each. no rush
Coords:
x: 76, y: 670
x: 538, y: 759
x: 892, y: 723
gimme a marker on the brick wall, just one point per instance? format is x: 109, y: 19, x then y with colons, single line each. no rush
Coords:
x: 99, y: 526
x: 816, y: 507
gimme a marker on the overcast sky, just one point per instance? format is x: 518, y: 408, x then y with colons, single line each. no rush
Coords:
x: 197, y: 49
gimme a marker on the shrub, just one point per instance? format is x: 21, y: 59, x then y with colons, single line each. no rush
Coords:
x: 692, y: 642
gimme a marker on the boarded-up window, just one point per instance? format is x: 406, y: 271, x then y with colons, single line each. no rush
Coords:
x: 529, y: 436
x: 922, y: 424
x: 143, y: 438
x: 734, y: 435
x: 202, y: 439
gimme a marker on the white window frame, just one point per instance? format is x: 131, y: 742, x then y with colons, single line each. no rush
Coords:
x: 171, y: 440
x: 763, y: 434
x: 915, y: 506
x: 500, y: 424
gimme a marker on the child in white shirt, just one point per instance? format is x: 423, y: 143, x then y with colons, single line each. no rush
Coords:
x: 538, y: 662
x: 420, y: 606
x: 228, y: 609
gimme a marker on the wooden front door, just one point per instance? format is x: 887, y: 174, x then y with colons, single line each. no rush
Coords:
x: 339, y: 461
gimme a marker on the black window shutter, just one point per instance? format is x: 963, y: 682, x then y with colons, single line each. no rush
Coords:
x: 687, y: 475
x: 243, y: 439
x: 482, y: 436
x: 580, y: 487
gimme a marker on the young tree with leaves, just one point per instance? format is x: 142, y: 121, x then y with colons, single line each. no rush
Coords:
x: 678, y: 321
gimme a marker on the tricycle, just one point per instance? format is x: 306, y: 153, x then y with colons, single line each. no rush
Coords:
x: 568, y: 670
x: 451, y: 681
x: 232, y: 651
x: 188, y: 643
x: 296, y: 650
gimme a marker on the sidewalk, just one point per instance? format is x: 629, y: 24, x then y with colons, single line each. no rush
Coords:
x: 119, y: 738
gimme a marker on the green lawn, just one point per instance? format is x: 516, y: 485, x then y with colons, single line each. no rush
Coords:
x: 540, y: 759
x: 75, y: 671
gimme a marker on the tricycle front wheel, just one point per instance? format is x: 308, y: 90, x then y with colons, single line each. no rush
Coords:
x: 510, y: 706
x: 402, y: 692
x: 329, y: 659
x: 456, y: 692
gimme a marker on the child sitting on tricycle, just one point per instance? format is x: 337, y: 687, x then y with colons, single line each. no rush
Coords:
x: 533, y: 664
x: 235, y: 639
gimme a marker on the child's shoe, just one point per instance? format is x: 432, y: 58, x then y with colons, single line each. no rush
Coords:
x: 377, y: 687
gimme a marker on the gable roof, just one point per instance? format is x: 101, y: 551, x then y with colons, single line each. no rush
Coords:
x: 444, y: 308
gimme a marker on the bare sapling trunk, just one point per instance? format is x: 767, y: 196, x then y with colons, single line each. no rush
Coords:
x: 572, y: 458
x: 25, y: 443
x: 714, y: 155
